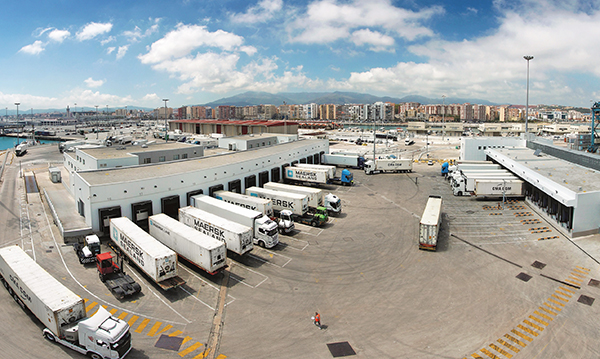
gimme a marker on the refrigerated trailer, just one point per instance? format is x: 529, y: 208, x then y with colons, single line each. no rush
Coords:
x: 388, y: 165
x: 498, y: 188
x: 343, y: 160
x: 61, y: 311
x: 199, y: 249
x: 429, y: 227
x: 316, y: 176
x: 146, y: 252
x: 316, y: 197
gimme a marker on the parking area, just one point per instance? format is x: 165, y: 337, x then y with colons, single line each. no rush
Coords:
x: 503, y: 284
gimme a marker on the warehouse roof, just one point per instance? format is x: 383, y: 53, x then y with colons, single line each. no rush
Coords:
x: 166, y: 169
x: 120, y: 151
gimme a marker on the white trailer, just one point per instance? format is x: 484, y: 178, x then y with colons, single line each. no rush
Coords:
x: 331, y: 170
x: 205, y: 252
x: 498, y: 188
x: 465, y: 186
x: 388, y: 165
x: 263, y: 205
x: 236, y: 237
x: 151, y: 256
x: 264, y: 230
x: 473, y: 166
x: 254, y: 203
x: 343, y: 160
x: 429, y: 227
x: 61, y: 311
x: 474, y: 173
x: 315, y: 196
x: 317, y: 176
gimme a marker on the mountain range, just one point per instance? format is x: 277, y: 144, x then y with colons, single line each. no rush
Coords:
x: 253, y: 98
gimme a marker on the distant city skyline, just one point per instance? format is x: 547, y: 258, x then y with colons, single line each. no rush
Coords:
x: 122, y: 54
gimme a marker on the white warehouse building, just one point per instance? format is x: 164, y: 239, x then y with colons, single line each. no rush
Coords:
x: 138, y: 192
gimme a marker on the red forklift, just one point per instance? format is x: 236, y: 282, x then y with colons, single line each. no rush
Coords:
x: 112, y: 275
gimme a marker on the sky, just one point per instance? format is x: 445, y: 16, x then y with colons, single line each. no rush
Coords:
x: 135, y: 53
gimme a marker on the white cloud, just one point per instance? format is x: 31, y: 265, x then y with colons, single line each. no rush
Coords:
x: 151, y: 98
x: 34, y: 48
x: 472, y: 10
x: 377, y: 39
x: 492, y: 66
x: 107, y: 40
x: 326, y: 21
x: 261, y: 12
x: 109, y: 50
x: 93, y: 83
x: 186, y: 38
x: 92, y: 30
x: 58, y: 35
x: 122, y: 51
x: 136, y: 34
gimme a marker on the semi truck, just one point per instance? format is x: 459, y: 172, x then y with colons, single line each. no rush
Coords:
x: 331, y: 170
x: 203, y: 251
x: 114, y: 278
x: 296, y: 203
x: 343, y: 160
x: 236, y: 237
x: 316, y: 197
x: 475, y: 173
x: 263, y: 205
x: 472, y: 166
x: 498, y: 188
x: 465, y: 185
x: 316, y: 176
x: 264, y: 230
x: 388, y: 165
x: 61, y: 311
x: 429, y: 227
x: 154, y: 258
x: 86, y: 251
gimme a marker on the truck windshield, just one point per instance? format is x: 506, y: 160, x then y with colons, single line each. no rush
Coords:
x: 122, y: 345
x: 335, y: 205
x: 272, y: 232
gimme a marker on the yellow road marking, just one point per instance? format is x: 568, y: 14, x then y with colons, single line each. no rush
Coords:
x: 553, y: 307
x: 515, y: 340
x: 89, y: 307
x: 154, y: 328
x: 167, y: 327
x: 543, y: 315
x: 538, y: 320
x: 577, y: 275
x: 585, y: 269
x: 175, y: 333
x: 533, y: 325
x: 190, y: 349
x: 548, y: 311
x: 113, y: 311
x: 501, y: 351
x: 580, y: 271
x: 522, y: 327
x: 528, y: 338
x: 203, y: 354
x: 563, y: 294
x: 570, y: 281
x: 559, y: 298
x: 185, y: 340
x: 85, y: 300
x: 142, y: 325
x: 132, y: 320
x: 476, y: 356
x: 488, y: 353
x: 570, y: 290
x: 122, y: 315
x: 508, y: 345
x: 555, y: 302
x: 576, y: 279
x: 221, y: 356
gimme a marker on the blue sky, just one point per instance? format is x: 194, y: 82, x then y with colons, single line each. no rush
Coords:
x: 134, y: 53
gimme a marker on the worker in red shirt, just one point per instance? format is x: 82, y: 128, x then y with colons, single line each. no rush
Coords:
x: 318, y: 320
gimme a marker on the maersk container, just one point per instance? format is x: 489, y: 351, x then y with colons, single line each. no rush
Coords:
x: 343, y: 160
x: 297, y: 203
x: 429, y: 226
x: 236, y: 237
x: 198, y: 248
x: 152, y: 257
x: 331, y: 170
x: 306, y: 175
x: 315, y: 195
x: 256, y: 204
x: 49, y: 300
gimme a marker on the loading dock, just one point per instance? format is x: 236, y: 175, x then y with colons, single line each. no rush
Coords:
x: 141, y: 211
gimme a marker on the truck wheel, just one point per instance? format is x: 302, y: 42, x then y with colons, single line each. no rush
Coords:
x: 80, y: 260
x: 101, y: 277
x: 95, y: 356
x: 459, y: 193
x: 261, y: 244
x: 313, y: 223
x: 49, y: 337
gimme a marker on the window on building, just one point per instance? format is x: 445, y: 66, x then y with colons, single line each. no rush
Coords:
x: 175, y: 157
x: 147, y: 160
x: 479, y: 148
x: 161, y: 159
x: 184, y: 156
x: 84, y: 161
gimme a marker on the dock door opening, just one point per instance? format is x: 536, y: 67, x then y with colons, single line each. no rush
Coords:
x: 263, y: 178
x: 249, y: 181
x: 275, y: 174
x: 213, y: 189
x: 235, y: 186
x: 140, y: 212
x: 104, y: 215
x: 170, y: 206
x: 191, y: 194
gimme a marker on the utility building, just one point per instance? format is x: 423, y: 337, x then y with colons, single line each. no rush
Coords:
x: 138, y: 192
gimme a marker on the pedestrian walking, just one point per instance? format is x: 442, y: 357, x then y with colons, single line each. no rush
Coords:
x: 318, y: 320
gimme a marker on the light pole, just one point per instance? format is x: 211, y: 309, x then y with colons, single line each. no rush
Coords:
x: 443, y: 117
x: 527, y: 57
x: 17, y: 103
x: 96, y: 121
x: 166, y: 128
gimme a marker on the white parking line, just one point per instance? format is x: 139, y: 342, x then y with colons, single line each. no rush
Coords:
x: 306, y: 244
x: 275, y: 254
x: 250, y: 270
x: 198, y: 299
x: 204, y: 281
